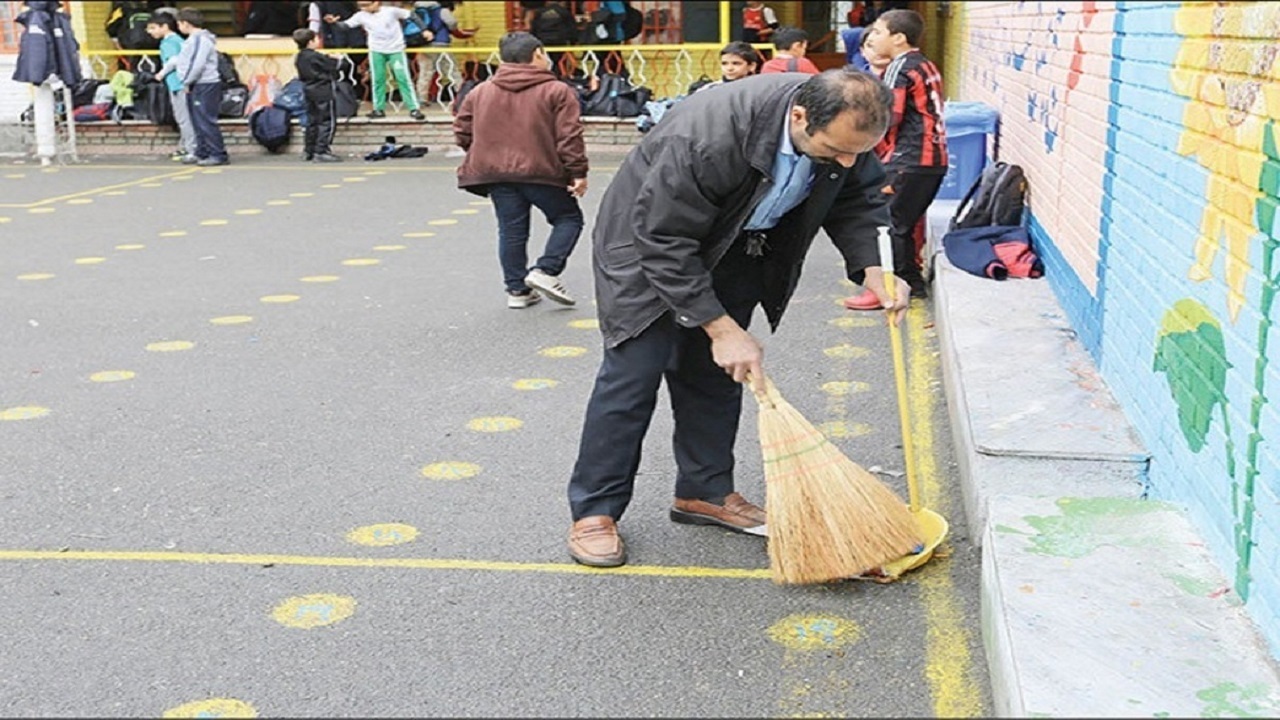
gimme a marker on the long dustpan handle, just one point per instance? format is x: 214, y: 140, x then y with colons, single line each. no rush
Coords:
x: 899, y: 369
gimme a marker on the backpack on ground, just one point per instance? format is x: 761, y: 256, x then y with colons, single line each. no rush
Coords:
x: 346, y: 101
x: 84, y: 91
x: 263, y: 91
x: 293, y: 100
x: 227, y: 72
x: 616, y: 97
x: 270, y: 127
x: 997, y: 198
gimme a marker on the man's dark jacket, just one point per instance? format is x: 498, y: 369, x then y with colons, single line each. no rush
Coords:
x: 682, y: 195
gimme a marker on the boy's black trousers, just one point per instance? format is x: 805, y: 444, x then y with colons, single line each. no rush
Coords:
x: 321, y: 121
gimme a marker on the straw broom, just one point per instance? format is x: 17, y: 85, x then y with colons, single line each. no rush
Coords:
x: 829, y: 519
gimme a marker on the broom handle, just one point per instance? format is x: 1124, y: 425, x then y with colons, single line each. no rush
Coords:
x: 899, y: 369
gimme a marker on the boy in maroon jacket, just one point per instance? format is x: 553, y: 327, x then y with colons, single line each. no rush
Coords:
x: 523, y: 136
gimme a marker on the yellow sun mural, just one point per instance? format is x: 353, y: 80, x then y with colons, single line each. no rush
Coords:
x: 1227, y: 67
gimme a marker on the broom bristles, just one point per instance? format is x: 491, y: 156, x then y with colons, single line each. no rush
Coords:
x: 829, y: 519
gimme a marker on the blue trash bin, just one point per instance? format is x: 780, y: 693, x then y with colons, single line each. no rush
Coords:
x: 968, y: 125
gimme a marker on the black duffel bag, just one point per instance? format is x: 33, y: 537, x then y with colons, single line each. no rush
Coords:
x: 616, y: 98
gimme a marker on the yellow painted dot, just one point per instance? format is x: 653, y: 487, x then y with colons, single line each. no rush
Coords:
x: 480, y: 203
x: 388, y: 248
x: 116, y: 193
x: 15, y: 176
x: 354, y: 179
x: 331, y: 186
x: 840, y: 388
x: 495, y: 424
x: 534, y: 384
x: 231, y: 320
x: 80, y: 201
x: 375, y: 172
x: 180, y: 178
x: 856, y: 321
x: 319, y: 279
x: 466, y: 211
x: 444, y: 221
x: 212, y: 171
x: 585, y: 324
x: 312, y: 611
x: 109, y: 376
x: 563, y: 351
x: 213, y: 708
x: 132, y: 246
x: 360, y: 262
x: 26, y: 412
x: 35, y: 276
x: 302, y: 194
x: 280, y: 298
x: 41, y: 210
x: 451, y: 470
x: 383, y: 534
x: 279, y: 202
x: 420, y: 234
x: 4, y: 220
x: 843, y: 429
x: 814, y: 632
x: 249, y: 211
x: 150, y: 184
x: 170, y: 346
x: 49, y: 170
x: 213, y: 222
x: 846, y: 352
x: 90, y: 260
x: 173, y: 233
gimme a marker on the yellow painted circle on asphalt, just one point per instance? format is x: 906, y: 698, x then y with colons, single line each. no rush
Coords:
x: 844, y: 429
x: 451, y: 470
x: 90, y: 260
x: 249, y: 211
x: 173, y: 233
x: 4, y: 220
x: 213, y: 708
x: 443, y: 221
x: 534, y: 384
x: 388, y: 248
x: 846, y: 352
x: 585, y: 324
x: 420, y: 234
x: 319, y: 279
x: 150, y: 184
x: 495, y: 424
x: 312, y: 611
x: 131, y: 246
x: 80, y: 201
x: 354, y: 179
x: 280, y: 298
x: 840, y: 388
x: 856, y: 321
x: 41, y: 210
x: 109, y: 376
x: 25, y: 412
x: 814, y: 632
x: 360, y: 262
x: 302, y: 194
x: 215, y: 221
x: 563, y: 351
x: 35, y: 276
x: 231, y: 320
x: 331, y: 186
x: 466, y: 211
x: 383, y: 534
x: 170, y: 346
x: 279, y: 202
x: 15, y: 176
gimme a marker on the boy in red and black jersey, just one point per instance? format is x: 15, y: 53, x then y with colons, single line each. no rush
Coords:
x: 914, y: 150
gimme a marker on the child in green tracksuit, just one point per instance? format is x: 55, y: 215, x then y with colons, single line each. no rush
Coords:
x: 386, y: 52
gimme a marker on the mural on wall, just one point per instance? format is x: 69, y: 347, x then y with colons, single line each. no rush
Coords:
x: 1229, y: 76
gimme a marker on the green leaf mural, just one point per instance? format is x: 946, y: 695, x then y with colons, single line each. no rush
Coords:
x: 1191, y: 353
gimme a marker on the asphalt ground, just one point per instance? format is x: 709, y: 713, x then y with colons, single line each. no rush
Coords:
x: 271, y: 442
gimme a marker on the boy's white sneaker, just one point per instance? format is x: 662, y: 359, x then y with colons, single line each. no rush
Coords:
x: 548, y: 285
x: 520, y: 301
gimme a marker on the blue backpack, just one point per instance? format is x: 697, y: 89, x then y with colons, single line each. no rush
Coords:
x: 425, y: 18
x: 270, y: 127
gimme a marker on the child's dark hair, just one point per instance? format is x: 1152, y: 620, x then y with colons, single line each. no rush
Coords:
x: 785, y: 37
x: 742, y: 50
x: 907, y: 22
x: 165, y: 19
x: 191, y: 16
x: 303, y: 37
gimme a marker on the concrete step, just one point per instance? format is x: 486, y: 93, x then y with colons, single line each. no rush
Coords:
x: 1112, y: 607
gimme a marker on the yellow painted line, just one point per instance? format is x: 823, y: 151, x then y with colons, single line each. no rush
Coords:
x: 97, y: 190
x: 194, y: 558
x: 948, y: 665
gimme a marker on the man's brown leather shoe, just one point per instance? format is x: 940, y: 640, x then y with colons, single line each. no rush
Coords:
x: 595, y: 541
x: 736, y: 514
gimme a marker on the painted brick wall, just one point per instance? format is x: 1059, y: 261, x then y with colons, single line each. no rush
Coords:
x: 1150, y: 134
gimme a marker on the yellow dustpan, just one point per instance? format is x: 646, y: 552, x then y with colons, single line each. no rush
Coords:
x: 933, y: 527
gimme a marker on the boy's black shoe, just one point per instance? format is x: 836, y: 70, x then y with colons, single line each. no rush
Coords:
x: 417, y: 115
x: 377, y: 114
x: 308, y: 157
x: 327, y: 158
